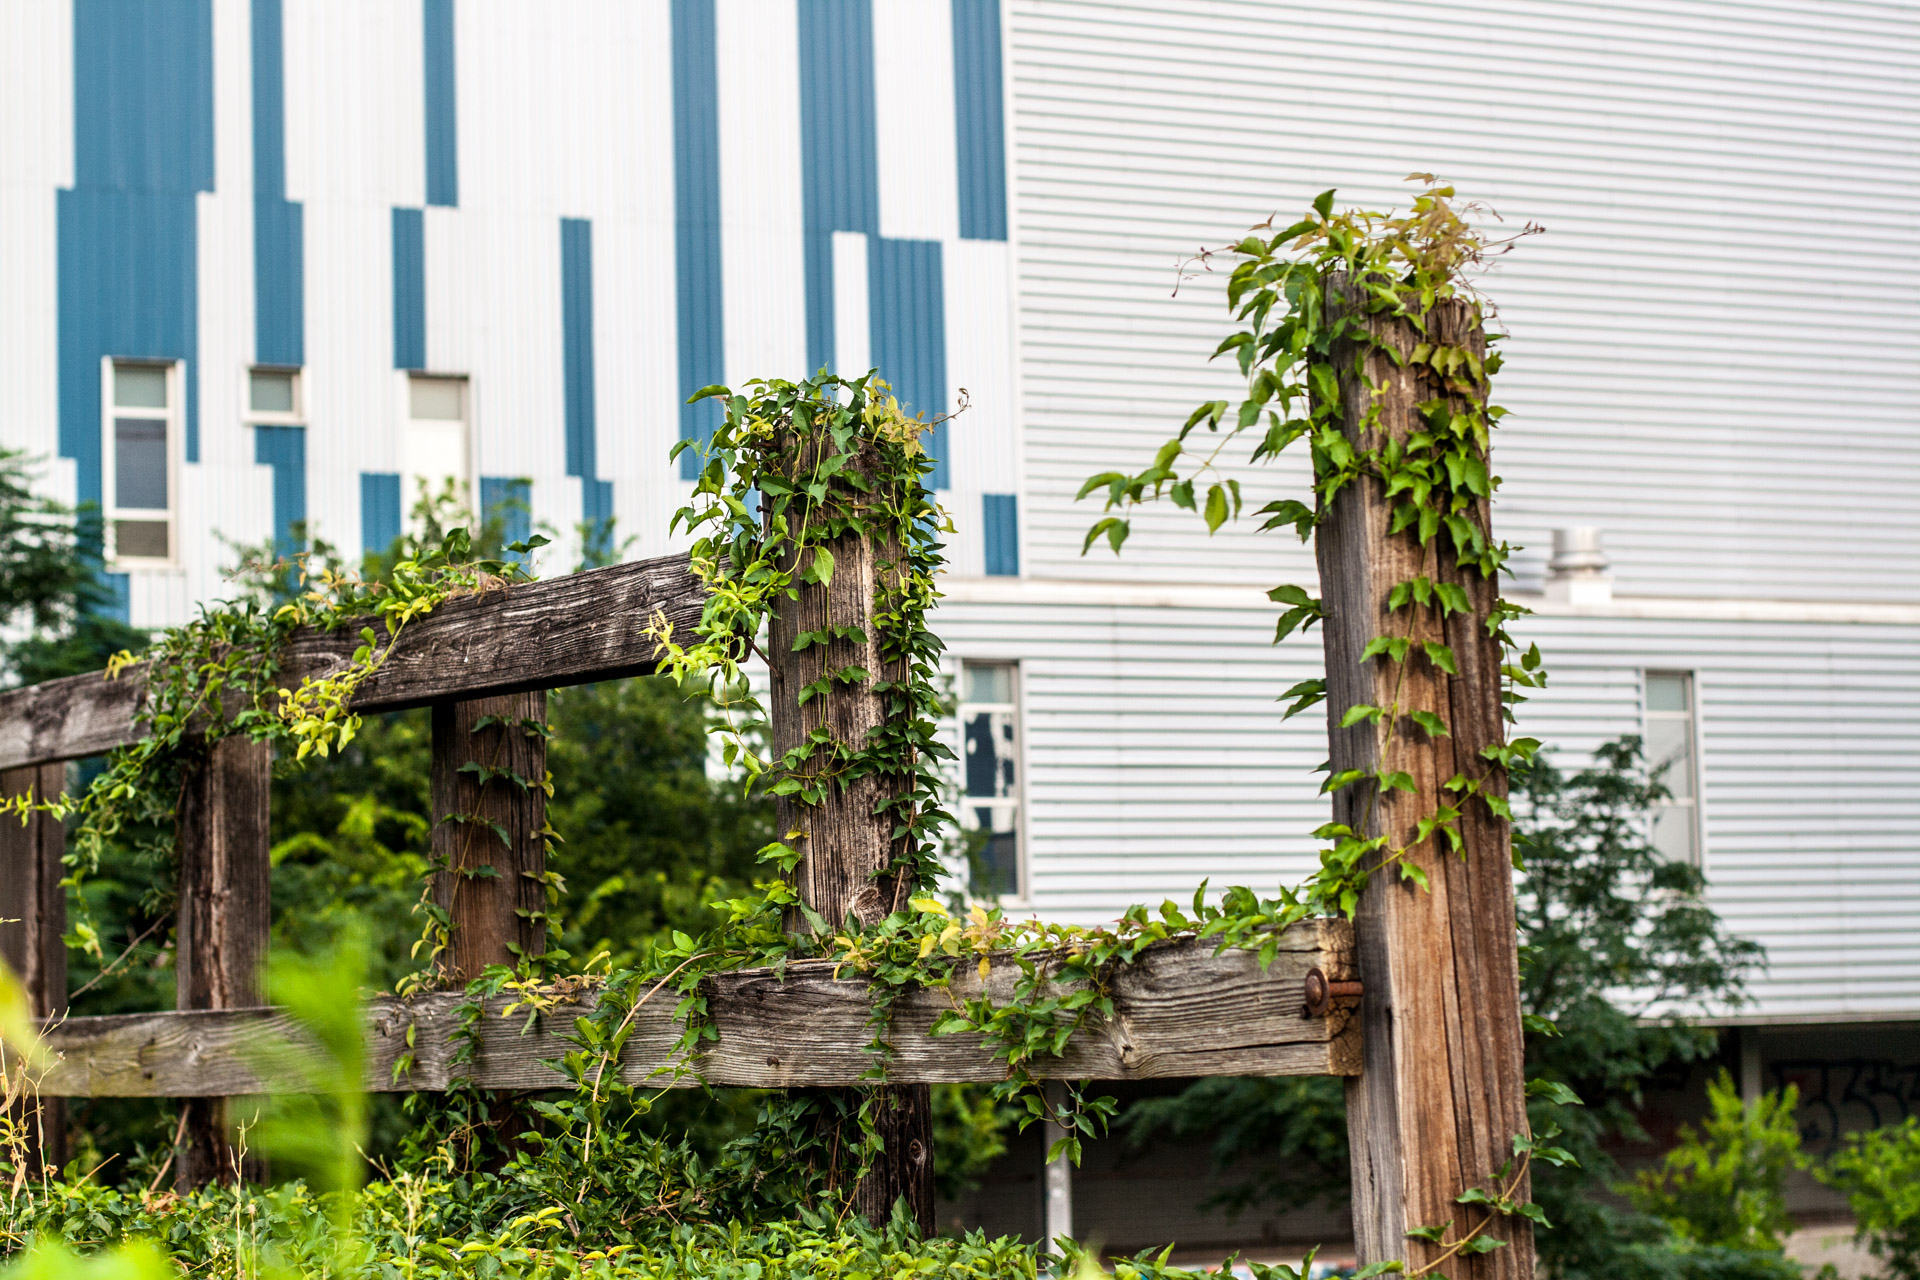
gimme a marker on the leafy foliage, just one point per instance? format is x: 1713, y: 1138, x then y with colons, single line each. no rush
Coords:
x: 52, y: 592
x: 1608, y: 931
x: 1879, y: 1173
x: 1724, y: 1184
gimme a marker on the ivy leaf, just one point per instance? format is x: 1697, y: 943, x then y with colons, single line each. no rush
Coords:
x: 1216, y: 513
x: 821, y: 570
x: 1552, y: 1091
x: 1357, y: 712
x: 1433, y: 724
x: 1432, y: 1235
x: 1306, y: 694
x: 1440, y: 656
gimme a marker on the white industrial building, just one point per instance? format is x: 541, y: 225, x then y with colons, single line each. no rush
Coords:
x: 265, y: 262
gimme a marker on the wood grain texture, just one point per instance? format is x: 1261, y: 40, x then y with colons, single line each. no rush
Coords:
x: 846, y: 842
x: 1442, y: 1093
x: 33, y: 918
x: 492, y: 887
x: 844, y: 845
x: 1179, y: 1011
x: 221, y: 829
x: 542, y: 635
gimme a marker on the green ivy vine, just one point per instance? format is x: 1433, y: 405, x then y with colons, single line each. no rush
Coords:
x: 220, y: 675
x: 1292, y: 349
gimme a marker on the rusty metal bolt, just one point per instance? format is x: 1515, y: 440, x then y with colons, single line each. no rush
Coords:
x: 1322, y: 994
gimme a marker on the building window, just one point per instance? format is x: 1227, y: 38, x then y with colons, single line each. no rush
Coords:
x: 989, y: 800
x: 1671, y: 752
x: 273, y: 396
x: 142, y: 425
x: 434, y: 447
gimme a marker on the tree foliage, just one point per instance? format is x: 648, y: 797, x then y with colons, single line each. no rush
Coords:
x: 1879, y: 1173
x: 1609, y: 932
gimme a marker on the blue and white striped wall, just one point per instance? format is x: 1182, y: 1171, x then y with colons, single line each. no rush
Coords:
x: 590, y: 210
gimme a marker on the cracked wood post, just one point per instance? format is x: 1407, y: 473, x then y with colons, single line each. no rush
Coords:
x: 845, y: 846
x: 221, y: 835
x: 33, y: 920
x: 1442, y: 1090
x: 487, y: 841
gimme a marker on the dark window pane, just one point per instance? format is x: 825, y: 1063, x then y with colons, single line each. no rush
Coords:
x: 993, y: 856
x: 144, y: 538
x: 140, y: 464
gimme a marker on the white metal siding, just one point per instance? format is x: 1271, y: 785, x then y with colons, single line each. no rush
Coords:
x: 1712, y: 351
x: 1156, y: 757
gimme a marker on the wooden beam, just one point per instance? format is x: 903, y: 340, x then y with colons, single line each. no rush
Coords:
x: 221, y: 830
x: 541, y: 635
x: 487, y: 830
x: 1443, y: 1092
x: 846, y: 841
x: 1179, y: 1011
x: 33, y: 922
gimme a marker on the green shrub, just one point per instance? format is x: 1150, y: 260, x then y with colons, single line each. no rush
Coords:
x: 1879, y: 1173
x: 1724, y: 1185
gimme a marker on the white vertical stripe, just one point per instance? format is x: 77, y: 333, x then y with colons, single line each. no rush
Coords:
x: 852, y: 344
x: 36, y: 156
x: 353, y: 393
x: 356, y: 101
x: 980, y: 442
x: 913, y: 119
x: 758, y: 44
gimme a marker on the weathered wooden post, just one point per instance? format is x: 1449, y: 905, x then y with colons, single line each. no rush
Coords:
x: 489, y: 810
x: 846, y: 842
x: 1442, y: 1093
x: 222, y: 837
x: 33, y: 918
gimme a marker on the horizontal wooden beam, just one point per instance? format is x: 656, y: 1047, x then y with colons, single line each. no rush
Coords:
x: 541, y: 635
x: 1179, y: 1011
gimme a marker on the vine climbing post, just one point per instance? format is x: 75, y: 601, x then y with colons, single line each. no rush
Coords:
x: 489, y: 789
x: 847, y: 843
x: 31, y: 941
x: 1442, y: 1094
x: 222, y: 838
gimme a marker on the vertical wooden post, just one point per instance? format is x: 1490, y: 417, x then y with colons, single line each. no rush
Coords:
x: 845, y: 845
x: 1442, y: 1092
x: 221, y: 834
x: 33, y: 920
x: 488, y: 772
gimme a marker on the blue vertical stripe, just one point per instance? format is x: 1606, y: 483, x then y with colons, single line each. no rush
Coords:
x: 979, y: 127
x: 443, y: 129
x: 906, y: 309
x: 576, y: 323
x: 696, y: 210
x: 839, y: 159
x: 409, y: 289
x: 285, y: 450
x: 128, y: 245
x: 1000, y: 525
x: 279, y: 286
x: 576, y: 319
x: 379, y: 510
x: 508, y: 500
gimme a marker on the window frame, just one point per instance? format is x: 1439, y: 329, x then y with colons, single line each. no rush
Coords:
x: 468, y: 480
x: 111, y: 512
x: 296, y: 417
x: 1023, y: 861
x: 1690, y: 720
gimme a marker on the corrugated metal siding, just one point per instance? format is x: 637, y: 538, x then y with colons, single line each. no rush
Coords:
x: 1693, y: 365
x: 1156, y: 757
